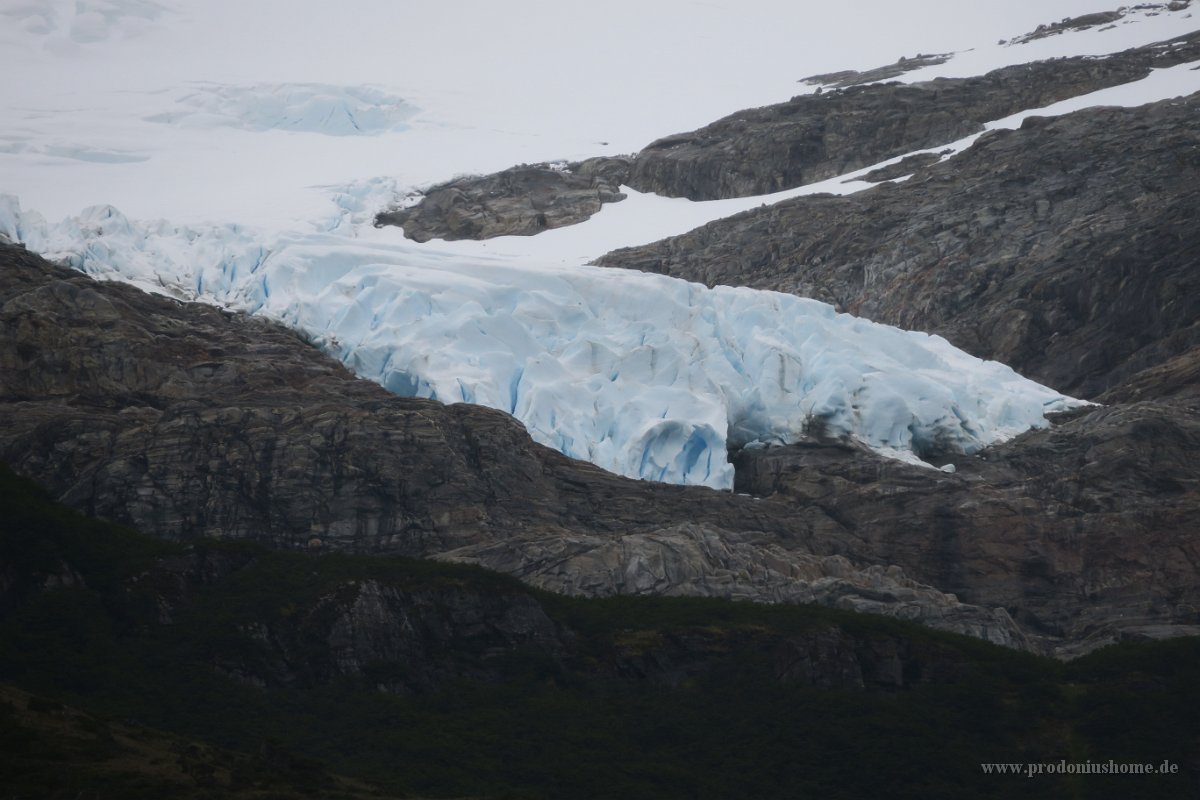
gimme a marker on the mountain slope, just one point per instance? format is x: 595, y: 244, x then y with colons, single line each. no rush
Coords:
x: 446, y: 680
x: 818, y: 136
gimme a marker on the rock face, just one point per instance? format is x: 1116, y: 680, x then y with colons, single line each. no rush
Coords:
x: 1075, y: 265
x: 1118, y: 486
x: 413, y: 630
x: 1097, y: 19
x: 853, y: 77
x: 902, y: 168
x: 520, y: 201
x: 813, y: 137
x: 186, y: 421
x: 693, y: 559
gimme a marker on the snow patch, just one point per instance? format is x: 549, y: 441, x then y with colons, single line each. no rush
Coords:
x: 23, y: 145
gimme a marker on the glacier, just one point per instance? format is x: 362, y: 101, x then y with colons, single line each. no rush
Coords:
x: 644, y: 375
x: 306, y: 107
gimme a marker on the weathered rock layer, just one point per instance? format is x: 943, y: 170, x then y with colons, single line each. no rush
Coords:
x: 813, y: 137
x: 519, y: 201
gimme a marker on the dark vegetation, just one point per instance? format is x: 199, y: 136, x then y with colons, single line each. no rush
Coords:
x: 80, y: 622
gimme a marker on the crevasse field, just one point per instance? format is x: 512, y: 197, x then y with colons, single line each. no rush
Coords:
x: 236, y: 152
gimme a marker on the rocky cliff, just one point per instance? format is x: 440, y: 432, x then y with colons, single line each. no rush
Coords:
x: 818, y: 136
x: 441, y: 680
x: 281, y: 620
x: 1087, y: 510
x: 519, y: 201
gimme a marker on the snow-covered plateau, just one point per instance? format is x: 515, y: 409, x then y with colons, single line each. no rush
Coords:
x: 251, y: 183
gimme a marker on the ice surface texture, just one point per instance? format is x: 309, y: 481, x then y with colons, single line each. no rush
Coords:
x: 82, y: 21
x: 645, y: 375
x: 310, y: 107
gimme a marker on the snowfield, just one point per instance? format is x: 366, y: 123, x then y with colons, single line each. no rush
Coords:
x: 250, y: 181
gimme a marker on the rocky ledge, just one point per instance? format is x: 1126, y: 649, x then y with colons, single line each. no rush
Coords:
x: 1096, y: 20
x: 519, y: 201
x: 813, y: 137
x: 1089, y: 509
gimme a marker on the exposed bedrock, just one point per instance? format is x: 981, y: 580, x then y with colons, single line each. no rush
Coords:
x: 519, y: 201
x: 1101, y: 509
x: 813, y: 137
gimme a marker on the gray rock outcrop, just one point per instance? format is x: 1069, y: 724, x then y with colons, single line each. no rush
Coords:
x: 853, y: 77
x: 813, y: 137
x: 519, y: 201
x: 1118, y: 485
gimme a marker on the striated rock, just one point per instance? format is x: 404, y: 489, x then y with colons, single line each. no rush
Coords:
x: 851, y: 77
x: 902, y: 168
x: 519, y: 201
x: 1087, y: 509
x: 693, y: 560
x: 814, y: 137
x: 1066, y: 249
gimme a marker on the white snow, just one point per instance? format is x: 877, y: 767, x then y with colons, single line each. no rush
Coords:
x: 251, y: 144
x: 65, y: 23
